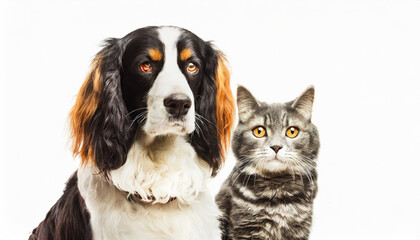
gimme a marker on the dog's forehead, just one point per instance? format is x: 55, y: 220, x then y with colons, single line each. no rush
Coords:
x: 142, y: 40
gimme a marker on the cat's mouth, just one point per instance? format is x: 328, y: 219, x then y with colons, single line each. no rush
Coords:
x: 273, y: 165
x: 280, y: 159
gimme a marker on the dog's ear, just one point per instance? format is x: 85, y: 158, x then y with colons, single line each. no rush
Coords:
x: 99, y: 123
x: 225, y: 105
x: 215, y: 108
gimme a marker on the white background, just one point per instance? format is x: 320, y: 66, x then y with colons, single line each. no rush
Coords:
x: 362, y: 56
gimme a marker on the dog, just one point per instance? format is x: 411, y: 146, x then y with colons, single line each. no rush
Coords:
x: 151, y: 124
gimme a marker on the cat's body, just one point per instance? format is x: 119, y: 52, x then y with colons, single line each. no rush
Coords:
x: 269, y: 194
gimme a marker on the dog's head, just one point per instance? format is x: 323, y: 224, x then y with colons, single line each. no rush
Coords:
x: 154, y: 81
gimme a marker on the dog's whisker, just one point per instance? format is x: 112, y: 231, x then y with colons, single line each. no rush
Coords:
x: 139, y: 118
x: 136, y: 110
x: 203, y: 118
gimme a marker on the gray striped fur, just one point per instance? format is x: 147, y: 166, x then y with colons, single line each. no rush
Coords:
x: 267, y: 198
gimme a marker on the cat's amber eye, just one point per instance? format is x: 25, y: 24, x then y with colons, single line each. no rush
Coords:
x: 146, y: 67
x: 292, y: 132
x: 259, y: 132
x: 192, y: 68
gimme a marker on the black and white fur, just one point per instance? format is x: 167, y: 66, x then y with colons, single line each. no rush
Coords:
x: 132, y: 144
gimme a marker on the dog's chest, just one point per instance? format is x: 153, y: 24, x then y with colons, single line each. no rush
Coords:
x: 192, y: 216
x: 170, y: 221
x: 113, y: 217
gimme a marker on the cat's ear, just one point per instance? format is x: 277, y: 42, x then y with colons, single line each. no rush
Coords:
x: 303, y: 104
x: 246, y: 103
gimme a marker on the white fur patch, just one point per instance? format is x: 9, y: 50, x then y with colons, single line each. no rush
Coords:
x: 169, y: 167
x: 169, y: 81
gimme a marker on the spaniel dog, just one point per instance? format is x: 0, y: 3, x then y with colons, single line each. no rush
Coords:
x: 151, y: 124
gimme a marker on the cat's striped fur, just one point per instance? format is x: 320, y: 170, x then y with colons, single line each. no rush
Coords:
x: 260, y: 200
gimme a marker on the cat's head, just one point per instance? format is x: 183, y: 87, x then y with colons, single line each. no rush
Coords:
x: 276, y: 138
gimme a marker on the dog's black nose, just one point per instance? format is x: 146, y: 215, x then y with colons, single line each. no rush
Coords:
x: 276, y: 148
x: 177, y: 104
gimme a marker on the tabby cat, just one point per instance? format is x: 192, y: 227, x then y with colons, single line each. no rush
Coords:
x: 270, y: 192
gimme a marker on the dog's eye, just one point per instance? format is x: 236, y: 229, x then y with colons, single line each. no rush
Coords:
x: 146, y: 67
x: 192, y: 68
x: 292, y: 132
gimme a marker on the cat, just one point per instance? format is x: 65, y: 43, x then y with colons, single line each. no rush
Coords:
x: 270, y: 191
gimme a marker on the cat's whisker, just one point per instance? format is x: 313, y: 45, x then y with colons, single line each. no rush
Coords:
x: 308, y: 163
x: 307, y: 172
x: 253, y: 151
x: 308, y: 159
x: 237, y: 170
x: 249, y: 176
x: 300, y: 163
x: 293, y: 170
x: 290, y: 157
x: 304, y: 166
x: 304, y: 172
x: 240, y: 170
x: 297, y: 166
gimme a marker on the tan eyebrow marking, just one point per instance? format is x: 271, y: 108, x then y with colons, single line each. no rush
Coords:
x: 155, y: 54
x: 185, y: 54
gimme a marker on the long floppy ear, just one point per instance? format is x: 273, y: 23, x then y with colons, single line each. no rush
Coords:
x: 225, y: 105
x: 100, y: 129
x: 215, y: 108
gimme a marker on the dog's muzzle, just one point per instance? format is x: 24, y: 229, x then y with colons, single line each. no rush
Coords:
x: 177, y: 105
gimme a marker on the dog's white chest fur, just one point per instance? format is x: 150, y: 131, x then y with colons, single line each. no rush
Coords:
x: 167, y: 168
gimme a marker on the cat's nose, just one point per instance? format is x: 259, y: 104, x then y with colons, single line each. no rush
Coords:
x: 276, y: 148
